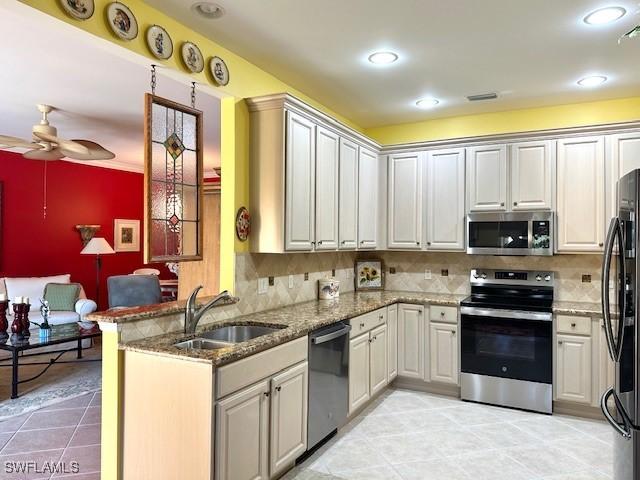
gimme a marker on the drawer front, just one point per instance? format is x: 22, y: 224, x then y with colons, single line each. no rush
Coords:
x: 247, y: 371
x: 443, y: 314
x: 366, y: 322
x: 573, y: 324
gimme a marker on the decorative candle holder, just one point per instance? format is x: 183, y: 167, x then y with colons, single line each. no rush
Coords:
x: 25, y: 321
x: 16, y: 325
x: 4, y: 323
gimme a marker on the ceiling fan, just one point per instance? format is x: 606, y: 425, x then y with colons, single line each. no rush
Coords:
x: 46, y: 145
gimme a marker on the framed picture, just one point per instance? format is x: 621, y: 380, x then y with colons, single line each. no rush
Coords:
x: 369, y: 274
x: 126, y: 235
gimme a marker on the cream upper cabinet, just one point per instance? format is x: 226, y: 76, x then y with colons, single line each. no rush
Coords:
x: 443, y: 353
x: 300, y: 183
x: 487, y: 178
x: 392, y: 341
x: 580, y: 194
x: 378, y: 374
x: 445, y: 180
x: 326, y: 188
x: 358, y: 371
x: 573, y: 368
x: 411, y: 340
x: 348, y: 195
x: 242, y: 435
x: 288, y: 440
x: 368, y: 187
x: 404, y: 201
x: 623, y: 156
x: 532, y: 175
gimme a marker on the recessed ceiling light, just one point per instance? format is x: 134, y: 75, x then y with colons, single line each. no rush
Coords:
x: 592, y: 81
x: 604, y: 15
x: 427, y: 103
x: 208, y: 9
x: 383, y: 58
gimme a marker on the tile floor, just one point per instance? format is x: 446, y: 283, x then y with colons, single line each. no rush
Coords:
x: 406, y: 435
x: 57, y: 435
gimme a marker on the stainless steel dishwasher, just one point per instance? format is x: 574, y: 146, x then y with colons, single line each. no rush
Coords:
x: 328, y: 381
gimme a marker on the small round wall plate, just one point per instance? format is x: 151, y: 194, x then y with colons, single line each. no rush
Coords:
x: 219, y: 71
x: 122, y: 21
x: 78, y: 9
x: 159, y: 42
x: 192, y: 57
x: 243, y: 224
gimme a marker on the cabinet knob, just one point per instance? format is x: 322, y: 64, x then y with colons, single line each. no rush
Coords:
x: 515, y: 204
x: 266, y: 394
x: 319, y: 242
x: 343, y: 242
x: 361, y: 242
x: 559, y: 342
x: 370, y: 340
x: 278, y: 388
x: 417, y: 243
x: 502, y: 204
x: 381, y: 317
x: 442, y: 314
x: 453, y: 332
x: 362, y: 325
x: 601, y: 244
x: 573, y: 325
x: 428, y: 243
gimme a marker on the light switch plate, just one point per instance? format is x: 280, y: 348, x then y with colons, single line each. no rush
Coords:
x: 290, y: 281
x: 263, y: 285
x: 427, y: 274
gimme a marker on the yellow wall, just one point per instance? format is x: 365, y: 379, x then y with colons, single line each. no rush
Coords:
x: 558, y: 116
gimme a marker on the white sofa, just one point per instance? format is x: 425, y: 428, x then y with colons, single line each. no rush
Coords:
x: 33, y: 287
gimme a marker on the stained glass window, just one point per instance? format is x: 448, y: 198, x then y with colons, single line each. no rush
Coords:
x: 173, y: 179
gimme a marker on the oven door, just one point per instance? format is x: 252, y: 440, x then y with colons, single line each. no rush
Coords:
x: 507, y: 343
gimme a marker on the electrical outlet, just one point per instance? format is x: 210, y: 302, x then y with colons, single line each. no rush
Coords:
x: 290, y: 281
x: 586, y: 278
x: 333, y: 272
x: 427, y: 274
x: 392, y: 270
x: 263, y: 285
x: 444, y: 272
x: 272, y: 281
x: 306, y: 276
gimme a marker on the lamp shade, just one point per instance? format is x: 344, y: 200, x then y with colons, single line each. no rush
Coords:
x: 97, y: 246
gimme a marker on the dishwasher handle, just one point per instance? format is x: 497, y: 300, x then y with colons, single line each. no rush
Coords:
x: 331, y: 335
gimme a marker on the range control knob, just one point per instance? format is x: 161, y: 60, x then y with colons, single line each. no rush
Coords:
x: 475, y: 275
x: 484, y: 276
x: 538, y: 278
x: 547, y: 278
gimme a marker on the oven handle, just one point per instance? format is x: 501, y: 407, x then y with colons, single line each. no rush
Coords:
x: 502, y: 313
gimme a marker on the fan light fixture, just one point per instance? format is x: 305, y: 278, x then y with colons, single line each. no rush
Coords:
x: 592, y: 81
x: 383, y: 58
x: 426, y: 103
x: 605, y: 15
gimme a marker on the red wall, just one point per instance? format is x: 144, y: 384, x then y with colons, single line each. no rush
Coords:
x: 76, y: 194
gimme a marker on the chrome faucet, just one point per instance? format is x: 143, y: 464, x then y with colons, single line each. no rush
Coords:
x: 193, y: 314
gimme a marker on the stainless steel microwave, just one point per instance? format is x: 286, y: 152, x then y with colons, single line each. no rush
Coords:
x: 513, y: 233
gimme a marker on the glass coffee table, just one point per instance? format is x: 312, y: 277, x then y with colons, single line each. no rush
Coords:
x: 60, y: 334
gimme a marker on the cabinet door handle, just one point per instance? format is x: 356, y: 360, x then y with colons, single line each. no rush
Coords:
x: 453, y: 332
x: 266, y: 394
x: 278, y: 388
x: 319, y: 242
x: 515, y: 204
x: 502, y: 204
x: 559, y: 342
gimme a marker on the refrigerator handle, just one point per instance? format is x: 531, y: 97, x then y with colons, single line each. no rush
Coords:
x: 623, y: 429
x: 614, y: 233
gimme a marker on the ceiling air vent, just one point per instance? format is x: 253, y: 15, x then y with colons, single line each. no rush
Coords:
x: 483, y: 96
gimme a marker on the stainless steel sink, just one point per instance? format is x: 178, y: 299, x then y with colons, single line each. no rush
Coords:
x: 238, y: 333
x: 201, y: 344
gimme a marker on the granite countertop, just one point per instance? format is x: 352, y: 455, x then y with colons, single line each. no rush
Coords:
x: 298, y: 320
x: 578, y: 308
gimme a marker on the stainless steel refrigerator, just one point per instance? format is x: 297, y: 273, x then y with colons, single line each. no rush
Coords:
x: 620, y: 274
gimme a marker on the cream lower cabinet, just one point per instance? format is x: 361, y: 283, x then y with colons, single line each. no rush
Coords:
x: 573, y: 368
x: 411, y: 340
x: 392, y: 336
x: 443, y: 353
x: 262, y: 429
x: 378, y: 371
x: 358, y: 371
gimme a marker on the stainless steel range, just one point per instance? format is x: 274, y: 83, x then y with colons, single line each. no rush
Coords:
x: 506, y: 342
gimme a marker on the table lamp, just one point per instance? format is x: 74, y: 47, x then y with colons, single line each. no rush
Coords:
x: 97, y: 246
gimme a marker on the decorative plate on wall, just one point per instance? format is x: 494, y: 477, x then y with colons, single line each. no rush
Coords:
x: 243, y: 224
x: 159, y: 42
x: 78, y: 9
x: 219, y: 71
x: 122, y: 21
x: 192, y: 57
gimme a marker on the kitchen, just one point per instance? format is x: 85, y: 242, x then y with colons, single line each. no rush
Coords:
x: 484, y: 348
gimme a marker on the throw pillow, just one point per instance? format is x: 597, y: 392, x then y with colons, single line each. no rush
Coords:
x: 62, y: 296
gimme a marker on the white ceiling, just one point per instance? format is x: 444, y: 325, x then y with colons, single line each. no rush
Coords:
x: 97, y: 88
x: 530, y: 52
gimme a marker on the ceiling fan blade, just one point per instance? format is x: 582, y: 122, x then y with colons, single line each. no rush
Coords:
x: 18, y: 142
x: 54, y: 154
x: 68, y: 145
x: 96, y: 151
